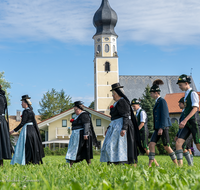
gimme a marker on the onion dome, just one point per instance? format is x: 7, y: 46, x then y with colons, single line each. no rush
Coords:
x: 105, y: 19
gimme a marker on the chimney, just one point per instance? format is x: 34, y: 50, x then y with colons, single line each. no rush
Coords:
x: 18, y: 117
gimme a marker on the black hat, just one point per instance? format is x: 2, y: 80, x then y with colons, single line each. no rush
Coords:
x: 184, y: 78
x: 115, y: 86
x: 25, y: 97
x: 155, y: 87
x: 135, y: 101
x: 78, y: 103
x: 181, y: 100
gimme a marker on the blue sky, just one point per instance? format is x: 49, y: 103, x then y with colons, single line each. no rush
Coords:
x: 48, y: 44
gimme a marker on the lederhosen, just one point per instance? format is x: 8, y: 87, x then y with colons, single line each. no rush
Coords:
x: 191, y: 126
x: 188, y: 143
x: 144, y: 132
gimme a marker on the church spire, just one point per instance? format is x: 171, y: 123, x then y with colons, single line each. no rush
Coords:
x: 105, y: 19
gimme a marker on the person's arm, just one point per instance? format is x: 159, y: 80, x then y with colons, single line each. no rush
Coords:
x: 141, y: 125
x: 85, y: 119
x: 143, y: 117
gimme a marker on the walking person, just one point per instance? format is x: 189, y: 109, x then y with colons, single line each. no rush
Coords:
x: 189, y: 124
x: 82, y: 138
x: 29, y: 145
x: 142, y: 121
x: 188, y: 143
x: 122, y: 136
x: 161, y: 123
x: 5, y: 144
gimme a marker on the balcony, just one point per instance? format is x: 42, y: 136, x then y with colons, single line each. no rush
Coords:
x: 66, y: 132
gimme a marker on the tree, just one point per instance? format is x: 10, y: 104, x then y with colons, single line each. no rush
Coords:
x: 147, y: 103
x: 54, y: 103
x: 5, y: 85
x: 91, y: 105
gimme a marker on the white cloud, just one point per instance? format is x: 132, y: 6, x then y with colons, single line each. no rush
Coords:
x: 160, y: 22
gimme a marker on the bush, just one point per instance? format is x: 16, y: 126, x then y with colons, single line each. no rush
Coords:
x: 59, y: 152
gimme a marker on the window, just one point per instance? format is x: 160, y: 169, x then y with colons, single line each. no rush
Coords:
x: 98, y: 122
x: 107, y: 67
x: 64, y: 123
x: 174, y: 120
x: 107, y: 48
x: 114, y: 48
x: 99, y: 48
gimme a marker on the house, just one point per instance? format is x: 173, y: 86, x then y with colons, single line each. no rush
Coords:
x: 58, y: 128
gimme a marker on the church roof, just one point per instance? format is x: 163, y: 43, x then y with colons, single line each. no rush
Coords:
x: 105, y: 19
x: 134, y: 86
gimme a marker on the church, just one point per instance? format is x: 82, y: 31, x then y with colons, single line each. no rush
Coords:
x: 106, y: 65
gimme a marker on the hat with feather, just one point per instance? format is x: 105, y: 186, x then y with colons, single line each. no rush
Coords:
x: 156, y: 84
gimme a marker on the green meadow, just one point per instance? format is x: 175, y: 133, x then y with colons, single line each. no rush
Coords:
x: 56, y: 174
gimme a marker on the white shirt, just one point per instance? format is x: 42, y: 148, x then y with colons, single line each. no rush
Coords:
x: 194, y: 98
x: 157, y: 98
x: 143, y: 115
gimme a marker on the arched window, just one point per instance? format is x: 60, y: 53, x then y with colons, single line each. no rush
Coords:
x: 107, y: 67
x: 99, y: 48
x: 107, y: 48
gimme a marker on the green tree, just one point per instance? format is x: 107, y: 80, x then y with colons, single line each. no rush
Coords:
x: 54, y: 103
x: 5, y: 85
x: 147, y: 103
x: 91, y: 105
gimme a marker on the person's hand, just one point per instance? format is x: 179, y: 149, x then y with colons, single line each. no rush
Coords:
x: 175, y: 139
x: 122, y: 133
x: 182, y: 124
x: 106, y: 132
x: 85, y: 137
x: 11, y: 132
x: 160, y: 131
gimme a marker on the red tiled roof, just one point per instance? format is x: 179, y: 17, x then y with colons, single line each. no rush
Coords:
x: 172, y: 101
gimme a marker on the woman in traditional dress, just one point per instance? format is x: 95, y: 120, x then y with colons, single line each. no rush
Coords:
x: 82, y: 138
x: 5, y: 144
x: 122, y: 136
x: 29, y: 145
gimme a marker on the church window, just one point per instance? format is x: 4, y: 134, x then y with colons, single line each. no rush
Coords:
x: 99, y: 48
x: 106, y: 48
x: 113, y: 48
x: 107, y: 67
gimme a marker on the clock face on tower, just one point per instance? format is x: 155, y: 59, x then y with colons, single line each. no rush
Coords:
x: 106, y: 39
x: 98, y: 40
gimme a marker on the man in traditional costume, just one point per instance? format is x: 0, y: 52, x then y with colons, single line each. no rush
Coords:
x: 29, y: 145
x: 5, y: 144
x: 189, y: 124
x: 82, y: 138
x: 142, y: 121
x: 122, y: 136
x: 161, y: 123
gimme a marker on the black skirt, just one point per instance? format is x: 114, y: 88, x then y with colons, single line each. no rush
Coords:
x: 33, y: 146
x: 5, y: 145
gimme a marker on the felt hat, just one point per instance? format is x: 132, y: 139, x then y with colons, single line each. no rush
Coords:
x: 78, y: 103
x: 181, y: 100
x: 155, y: 87
x: 24, y: 97
x: 115, y: 86
x: 135, y: 101
x: 184, y: 78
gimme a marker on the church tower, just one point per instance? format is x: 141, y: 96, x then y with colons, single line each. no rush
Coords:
x: 105, y: 57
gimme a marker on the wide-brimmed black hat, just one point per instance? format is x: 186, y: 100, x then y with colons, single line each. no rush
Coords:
x: 181, y: 100
x: 155, y: 88
x: 78, y: 103
x: 116, y: 86
x: 25, y: 97
x: 135, y: 101
x: 184, y: 78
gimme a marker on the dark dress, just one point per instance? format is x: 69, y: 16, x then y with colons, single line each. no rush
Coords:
x: 121, y: 114
x: 80, y: 149
x: 33, y: 146
x: 5, y: 144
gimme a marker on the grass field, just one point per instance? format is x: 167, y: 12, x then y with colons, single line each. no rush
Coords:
x: 56, y: 174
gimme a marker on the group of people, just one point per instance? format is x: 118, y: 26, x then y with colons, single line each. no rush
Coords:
x: 127, y: 134
x: 125, y: 137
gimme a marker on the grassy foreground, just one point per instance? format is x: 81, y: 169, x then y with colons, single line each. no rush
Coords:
x: 56, y: 174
